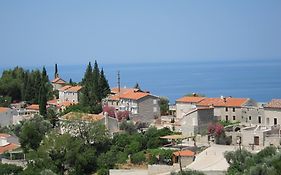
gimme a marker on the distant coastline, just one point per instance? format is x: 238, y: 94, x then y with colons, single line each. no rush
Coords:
x: 257, y: 79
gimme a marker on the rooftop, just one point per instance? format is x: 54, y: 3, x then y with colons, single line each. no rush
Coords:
x: 69, y: 88
x: 58, y: 80
x: 223, y: 102
x: 3, y: 109
x: 274, y: 103
x: 187, y: 99
x: 33, y: 107
x: 184, y: 153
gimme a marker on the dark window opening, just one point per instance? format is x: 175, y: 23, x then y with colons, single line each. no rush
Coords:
x: 275, y: 121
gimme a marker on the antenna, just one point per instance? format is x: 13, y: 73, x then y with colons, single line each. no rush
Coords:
x: 118, y: 80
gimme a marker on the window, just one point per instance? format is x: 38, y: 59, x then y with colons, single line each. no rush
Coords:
x: 154, y: 101
x: 226, y: 109
x: 259, y: 118
x: 250, y: 118
x: 233, y: 118
x: 226, y: 117
x: 233, y: 109
x: 275, y: 121
x: 154, y: 109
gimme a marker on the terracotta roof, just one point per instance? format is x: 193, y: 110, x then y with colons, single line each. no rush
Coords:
x: 53, y: 102
x: 74, y: 89
x: 274, y: 103
x: 33, y: 107
x: 82, y: 116
x: 9, y: 147
x: 69, y: 88
x: 58, y: 80
x: 122, y: 90
x: 2, y: 109
x: 184, y: 153
x: 190, y: 99
x: 227, y: 102
x: 3, y: 135
x: 134, y: 95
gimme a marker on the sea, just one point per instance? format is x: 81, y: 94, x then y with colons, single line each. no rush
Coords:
x: 256, y: 79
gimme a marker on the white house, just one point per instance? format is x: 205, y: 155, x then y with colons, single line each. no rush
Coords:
x: 69, y: 94
x: 272, y: 112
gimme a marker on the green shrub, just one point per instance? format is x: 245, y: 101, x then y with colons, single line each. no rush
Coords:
x: 138, y: 158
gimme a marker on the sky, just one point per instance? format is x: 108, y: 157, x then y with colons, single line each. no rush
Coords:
x: 138, y: 31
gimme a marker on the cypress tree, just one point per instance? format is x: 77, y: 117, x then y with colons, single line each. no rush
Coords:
x: 87, y: 90
x: 56, y: 71
x: 103, y: 84
x: 96, y: 77
x: 43, y: 93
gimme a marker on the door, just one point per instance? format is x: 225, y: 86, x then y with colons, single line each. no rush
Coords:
x: 256, y: 140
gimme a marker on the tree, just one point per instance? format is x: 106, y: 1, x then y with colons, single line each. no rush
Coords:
x: 129, y: 127
x: 63, y: 153
x: 103, y: 85
x: 137, y: 86
x: 32, y: 132
x: 56, y: 71
x: 8, y: 169
x: 164, y: 105
x: 96, y: 87
x: 52, y: 116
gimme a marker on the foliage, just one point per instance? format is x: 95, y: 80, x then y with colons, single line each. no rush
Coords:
x: 5, y: 101
x: 19, y: 84
x: 110, y: 110
x: 138, y: 158
x: 227, y: 122
x: 152, y: 137
x: 95, y: 88
x: 217, y: 130
x: 32, y: 132
x: 128, y: 126
x: 195, y: 95
x: 52, y: 116
x: 63, y: 153
x: 189, y: 172
x: 158, y: 156
x: 242, y: 162
x: 164, y: 105
x: 7, y: 169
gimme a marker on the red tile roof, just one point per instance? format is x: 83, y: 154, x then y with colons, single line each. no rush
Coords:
x: 33, y: 107
x: 2, y: 109
x: 134, y: 95
x: 223, y: 102
x: 122, y: 90
x: 58, y: 80
x: 9, y: 147
x: 184, y: 153
x: 274, y: 103
x: 190, y: 99
x: 69, y: 88
x: 3, y: 135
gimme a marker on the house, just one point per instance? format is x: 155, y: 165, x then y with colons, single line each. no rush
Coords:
x: 58, y: 83
x: 33, y: 108
x: 196, y: 121
x: 8, y: 143
x: 6, y: 116
x: 143, y: 106
x: 186, y: 157
x: 186, y: 104
x: 69, y: 93
x: 272, y: 112
x: 242, y: 110
x: 59, y: 106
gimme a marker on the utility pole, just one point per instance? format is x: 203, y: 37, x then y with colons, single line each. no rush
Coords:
x: 118, y: 81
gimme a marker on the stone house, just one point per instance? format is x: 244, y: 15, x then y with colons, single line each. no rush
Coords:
x: 186, y: 156
x: 186, y: 104
x: 69, y: 94
x: 143, y: 106
x: 272, y: 113
x: 242, y: 110
x: 6, y: 116
x: 196, y: 121
x: 58, y: 83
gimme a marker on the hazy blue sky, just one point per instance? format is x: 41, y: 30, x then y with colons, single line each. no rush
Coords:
x: 75, y: 32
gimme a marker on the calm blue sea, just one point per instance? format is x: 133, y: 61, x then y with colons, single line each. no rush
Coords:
x: 260, y: 80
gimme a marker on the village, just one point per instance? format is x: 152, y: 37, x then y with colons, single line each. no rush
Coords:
x: 201, y: 128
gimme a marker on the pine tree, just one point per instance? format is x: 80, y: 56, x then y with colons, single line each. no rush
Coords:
x: 103, y: 84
